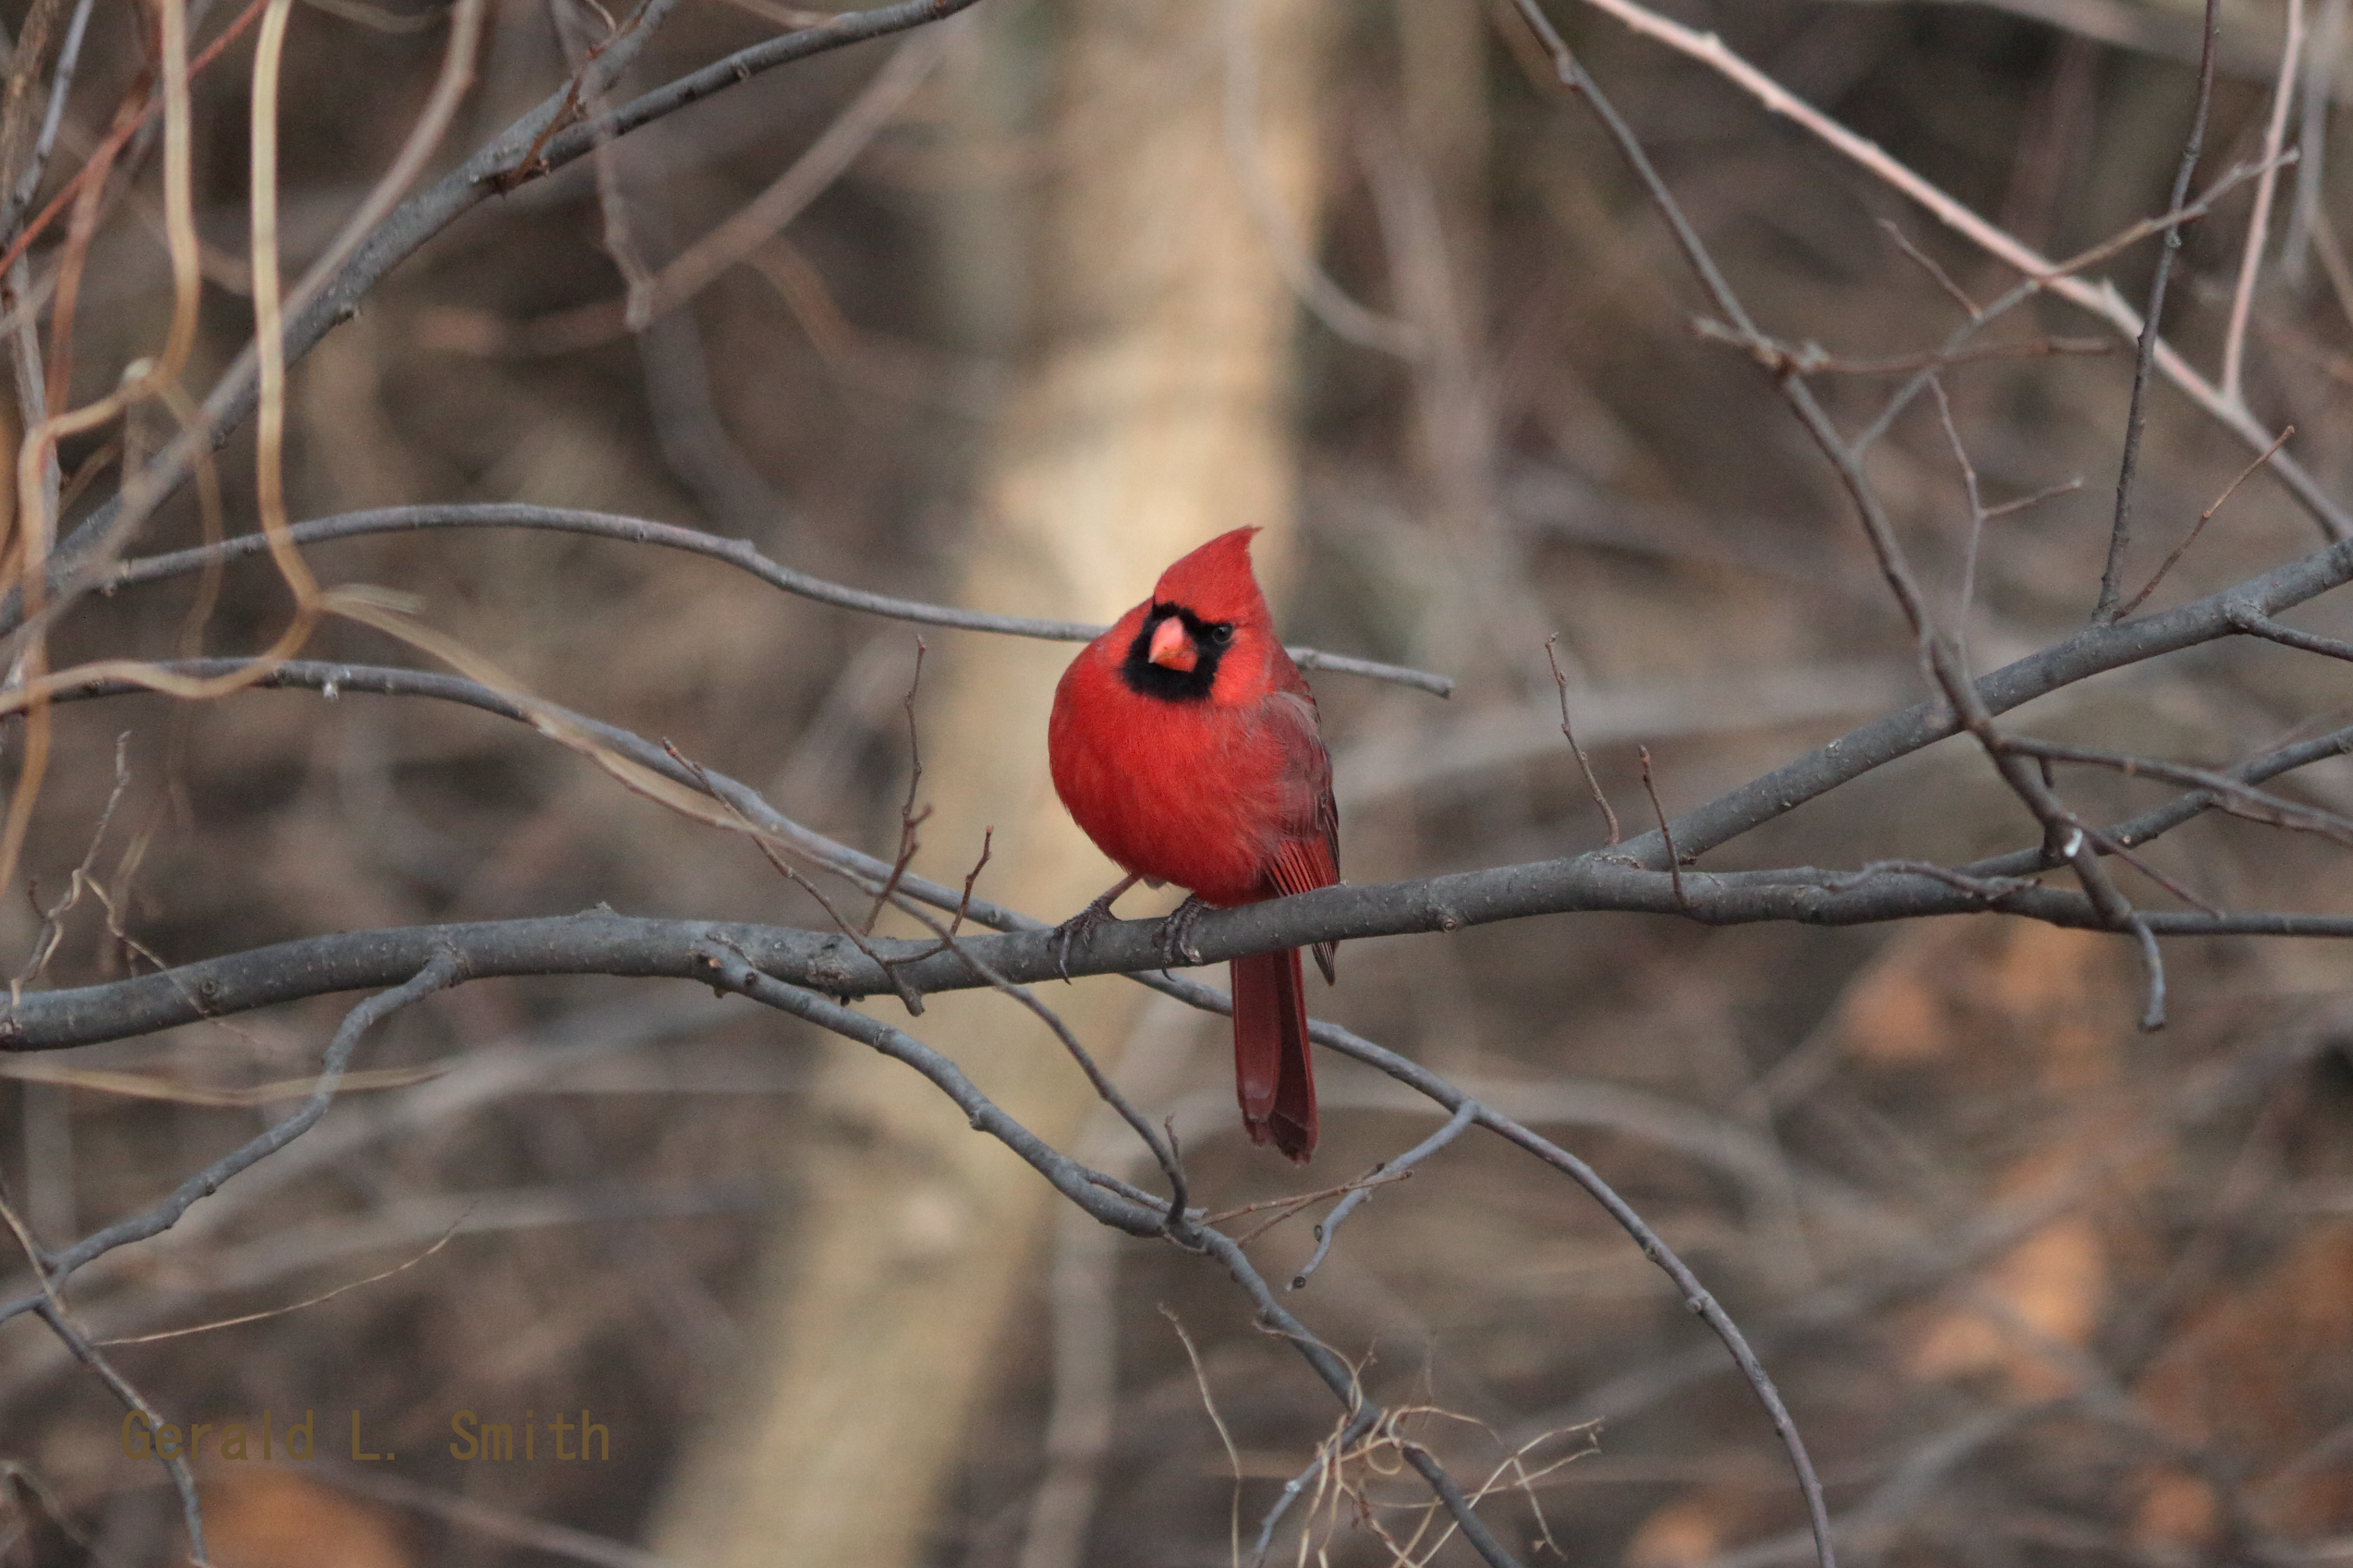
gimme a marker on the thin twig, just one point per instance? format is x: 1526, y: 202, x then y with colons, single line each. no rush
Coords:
x: 1583, y: 764
x: 1977, y: 517
x: 442, y: 970
x: 2141, y: 863
x: 859, y: 937
x: 1812, y: 359
x: 963, y: 905
x: 2136, y: 417
x: 2130, y: 605
x: 184, y: 1481
x: 61, y: 80
x: 53, y: 931
x: 1464, y: 1114
x: 400, y: 1267
x: 2059, y: 277
x: 2100, y: 300
x: 1178, y: 1225
x: 1674, y: 862
x: 1098, y: 1193
x: 2260, y: 805
x: 2259, y: 222
x: 737, y: 553
x: 1927, y: 264
x: 1233, y: 1456
x: 909, y: 817
x: 1290, y: 1205
x: 2022, y: 503
x: 2152, y: 1016
x: 2287, y: 636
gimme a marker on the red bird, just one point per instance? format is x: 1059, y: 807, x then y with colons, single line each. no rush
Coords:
x: 1184, y: 742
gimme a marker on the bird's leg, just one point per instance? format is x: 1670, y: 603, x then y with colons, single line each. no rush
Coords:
x: 1081, y: 927
x: 1176, y: 930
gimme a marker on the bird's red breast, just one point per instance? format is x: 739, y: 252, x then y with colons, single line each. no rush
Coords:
x: 1184, y: 742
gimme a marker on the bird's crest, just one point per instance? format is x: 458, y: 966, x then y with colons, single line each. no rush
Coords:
x: 1215, y: 581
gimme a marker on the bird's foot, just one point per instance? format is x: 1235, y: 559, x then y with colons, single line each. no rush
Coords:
x: 1082, y: 927
x: 1176, y: 932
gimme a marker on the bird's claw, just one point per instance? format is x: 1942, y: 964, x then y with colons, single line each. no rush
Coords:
x: 1079, y: 928
x: 1177, y: 933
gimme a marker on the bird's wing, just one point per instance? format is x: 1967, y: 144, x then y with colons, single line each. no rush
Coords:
x: 1308, y: 855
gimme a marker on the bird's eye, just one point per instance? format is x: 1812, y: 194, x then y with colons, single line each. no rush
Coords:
x: 1222, y: 633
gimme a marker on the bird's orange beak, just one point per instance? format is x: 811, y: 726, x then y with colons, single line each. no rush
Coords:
x: 1171, y: 648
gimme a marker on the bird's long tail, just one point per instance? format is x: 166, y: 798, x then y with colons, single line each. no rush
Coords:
x: 1273, y: 1077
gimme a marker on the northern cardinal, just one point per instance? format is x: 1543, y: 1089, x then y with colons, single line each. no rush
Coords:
x: 1184, y: 742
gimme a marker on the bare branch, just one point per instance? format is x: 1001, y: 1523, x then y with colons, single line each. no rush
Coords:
x: 610, y: 944
x: 2099, y: 300
x: 401, y: 1267
x: 441, y: 968
x: 2120, y: 530
x: 184, y: 1481
x: 740, y: 553
x: 2130, y: 605
x: 711, y: 256
x: 2152, y: 1017
x: 2259, y: 222
x: 2230, y: 794
x: 1327, y: 1231
x: 1583, y: 764
x: 1812, y: 359
x: 2165, y: 819
x: 2049, y: 279
x: 1666, y: 834
x: 2262, y: 626
x: 524, y: 147
x: 2246, y: 608
x: 1100, y: 1196
x: 1927, y: 264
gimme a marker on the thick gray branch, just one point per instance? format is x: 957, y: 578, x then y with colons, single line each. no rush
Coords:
x: 602, y: 943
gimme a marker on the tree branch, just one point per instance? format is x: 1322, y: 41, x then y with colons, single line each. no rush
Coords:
x: 1103, y: 1197
x: 524, y: 146
x: 442, y: 967
x: 611, y: 944
x: 740, y: 553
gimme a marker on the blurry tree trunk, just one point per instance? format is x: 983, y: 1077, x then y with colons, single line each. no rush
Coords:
x: 1429, y: 183
x: 1150, y: 414
x: 1442, y: 72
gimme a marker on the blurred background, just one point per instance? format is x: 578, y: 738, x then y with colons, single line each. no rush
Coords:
x: 1010, y: 312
